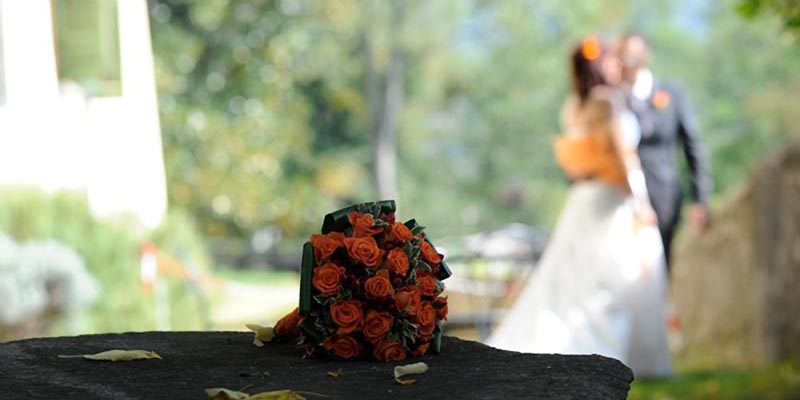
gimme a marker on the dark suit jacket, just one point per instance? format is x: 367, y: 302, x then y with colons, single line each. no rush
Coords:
x: 666, y: 121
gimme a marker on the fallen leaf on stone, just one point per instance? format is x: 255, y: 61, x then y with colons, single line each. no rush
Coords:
x: 416, y: 368
x: 336, y: 373
x: 225, y: 394
x: 117, y: 355
x: 263, y: 334
x: 405, y: 381
x: 277, y: 395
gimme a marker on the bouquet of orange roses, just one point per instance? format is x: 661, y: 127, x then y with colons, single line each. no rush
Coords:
x: 370, y: 288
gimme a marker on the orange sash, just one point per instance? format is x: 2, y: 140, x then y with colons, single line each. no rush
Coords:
x: 590, y: 156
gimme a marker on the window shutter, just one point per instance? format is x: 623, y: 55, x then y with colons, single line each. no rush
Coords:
x: 87, y: 44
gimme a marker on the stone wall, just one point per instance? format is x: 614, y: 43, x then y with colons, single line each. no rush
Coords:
x: 737, y: 285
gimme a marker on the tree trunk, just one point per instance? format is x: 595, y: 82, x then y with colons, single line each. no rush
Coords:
x: 386, y: 105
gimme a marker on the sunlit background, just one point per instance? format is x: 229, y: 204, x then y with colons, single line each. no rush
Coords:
x: 162, y: 161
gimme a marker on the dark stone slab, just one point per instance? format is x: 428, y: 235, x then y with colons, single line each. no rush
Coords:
x: 193, y: 361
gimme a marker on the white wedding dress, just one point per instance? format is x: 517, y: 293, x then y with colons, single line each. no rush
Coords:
x: 600, y: 286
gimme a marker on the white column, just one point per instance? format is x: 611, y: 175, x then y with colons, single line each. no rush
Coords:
x: 126, y: 131
x: 42, y: 142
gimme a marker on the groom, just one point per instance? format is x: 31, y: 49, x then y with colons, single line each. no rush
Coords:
x: 665, y: 120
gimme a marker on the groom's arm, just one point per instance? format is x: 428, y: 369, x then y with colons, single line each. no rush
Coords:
x: 693, y: 149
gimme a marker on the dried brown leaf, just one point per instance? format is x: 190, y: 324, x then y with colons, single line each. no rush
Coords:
x: 225, y: 394
x: 277, y: 395
x: 118, y: 355
x: 416, y: 368
x: 405, y: 381
x: 335, y: 374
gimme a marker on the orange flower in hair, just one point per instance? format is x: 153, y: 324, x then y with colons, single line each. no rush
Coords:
x: 590, y: 48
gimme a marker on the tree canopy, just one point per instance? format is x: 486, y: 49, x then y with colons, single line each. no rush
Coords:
x: 271, y: 109
x: 788, y: 10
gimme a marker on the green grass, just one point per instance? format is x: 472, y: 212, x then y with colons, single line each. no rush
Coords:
x: 780, y: 381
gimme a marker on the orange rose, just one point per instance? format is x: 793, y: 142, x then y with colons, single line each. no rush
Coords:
x: 429, y: 254
x: 398, y: 232
x: 325, y: 245
x: 363, y: 224
x: 397, y: 261
x: 427, y: 283
x: 389, y: 350
x: 422, y: 349
x: 287, y: 327
x: 377, y: 325
x: 407, y: 300
x: 379, y: 287
x: 426, y: 318
x: 347, y: 315
x: 344, y: 347
x: 326, y: 278
x: 440, y: 304
x: 364, y: 250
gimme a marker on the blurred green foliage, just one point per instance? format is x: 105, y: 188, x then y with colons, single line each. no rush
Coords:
x: 788, y: 10
x: 111, y: 252
x: 265, y: 111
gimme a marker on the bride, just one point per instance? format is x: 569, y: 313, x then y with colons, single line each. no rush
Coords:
x: 600, y: 286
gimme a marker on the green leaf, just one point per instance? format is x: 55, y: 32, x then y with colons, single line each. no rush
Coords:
x: 408, y: 247
x: 436, y: 343
x: 423, y: 266
x: 343, y: 294
x: 380, y: 223
x: 412, y: 277
x: 306, y: 276
x: 444, y: 271
x: 414, y: 253
x: 311, y: 334
x: 319, y: 298
x: 337, y: 220
x: 408, y: 325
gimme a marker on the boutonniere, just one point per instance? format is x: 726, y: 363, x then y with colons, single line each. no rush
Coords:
x: 661, y: 99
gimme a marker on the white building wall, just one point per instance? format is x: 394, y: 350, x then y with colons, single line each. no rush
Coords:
x: 56, y: 138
